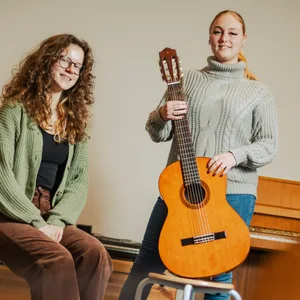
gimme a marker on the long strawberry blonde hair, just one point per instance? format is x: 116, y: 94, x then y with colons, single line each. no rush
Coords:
x: 31, y: 83
x: 241, y: 57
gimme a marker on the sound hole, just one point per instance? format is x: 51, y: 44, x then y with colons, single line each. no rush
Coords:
x: 194, y: 193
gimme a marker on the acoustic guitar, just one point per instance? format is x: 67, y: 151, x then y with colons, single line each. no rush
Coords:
x: 202, y: 236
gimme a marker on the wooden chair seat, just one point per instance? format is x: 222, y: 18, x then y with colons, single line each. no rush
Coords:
x: 193, y: 282
x: 189, y: 286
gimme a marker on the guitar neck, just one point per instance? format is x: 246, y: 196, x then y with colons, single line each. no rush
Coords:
x: 182, y: 134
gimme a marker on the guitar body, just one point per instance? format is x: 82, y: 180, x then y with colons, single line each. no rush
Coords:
x: 186, y: 220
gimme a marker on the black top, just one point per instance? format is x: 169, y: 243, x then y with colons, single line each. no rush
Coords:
x: 53, y: 162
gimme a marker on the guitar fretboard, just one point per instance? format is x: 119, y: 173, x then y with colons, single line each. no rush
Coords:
x: 182, y: 134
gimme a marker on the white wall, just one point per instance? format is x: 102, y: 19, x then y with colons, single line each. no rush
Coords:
x: 126, y: 37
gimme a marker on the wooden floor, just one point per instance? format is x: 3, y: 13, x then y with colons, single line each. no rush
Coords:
x: 13, y: 287
x: 262, y: 272
x: 121, y: 270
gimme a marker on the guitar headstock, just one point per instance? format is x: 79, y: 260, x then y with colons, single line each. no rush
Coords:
x: 170, y: 66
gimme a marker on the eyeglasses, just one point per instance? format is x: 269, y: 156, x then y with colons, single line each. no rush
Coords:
x: 65, y: 62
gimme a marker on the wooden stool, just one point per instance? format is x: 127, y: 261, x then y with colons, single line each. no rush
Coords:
x: 189, y: 286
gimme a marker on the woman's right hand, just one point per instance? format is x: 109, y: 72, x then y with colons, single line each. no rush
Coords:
x: 53, y: 232
x: 173, y: 110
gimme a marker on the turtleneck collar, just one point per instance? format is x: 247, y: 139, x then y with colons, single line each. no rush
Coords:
x: 225, y: 71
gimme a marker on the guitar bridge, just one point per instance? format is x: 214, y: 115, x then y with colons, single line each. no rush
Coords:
x: 205, y: 238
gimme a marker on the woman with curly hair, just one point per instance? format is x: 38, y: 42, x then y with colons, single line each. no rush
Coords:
x: 44, y: 173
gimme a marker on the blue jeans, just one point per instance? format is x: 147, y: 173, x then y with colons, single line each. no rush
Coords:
x: 149, y: 260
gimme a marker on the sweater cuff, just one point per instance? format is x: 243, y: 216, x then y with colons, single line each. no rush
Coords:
x: 38, y: 223
x: 157, y: 119
x: 239, y: 155
x: 53, y: 220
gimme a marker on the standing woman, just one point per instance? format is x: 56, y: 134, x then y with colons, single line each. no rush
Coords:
x: 232, y: 120
x: 44, y: 173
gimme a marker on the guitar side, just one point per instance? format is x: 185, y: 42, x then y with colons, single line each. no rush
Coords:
x: 185, y: 220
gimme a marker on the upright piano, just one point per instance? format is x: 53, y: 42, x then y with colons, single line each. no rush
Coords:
x: 275, y: 227
x: 276, y: 220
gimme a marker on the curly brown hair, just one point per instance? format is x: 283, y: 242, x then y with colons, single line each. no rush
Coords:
x: 31, y: 84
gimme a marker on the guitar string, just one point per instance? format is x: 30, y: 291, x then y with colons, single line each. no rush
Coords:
x: 195, y: 191
x: 172, y: 97
x: 191, y: 188
x: 200, y: 210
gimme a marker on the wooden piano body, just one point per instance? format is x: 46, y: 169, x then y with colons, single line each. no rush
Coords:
x: 274, y: 230
x: 276, y: 221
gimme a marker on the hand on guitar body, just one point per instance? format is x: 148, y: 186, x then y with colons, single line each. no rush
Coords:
x: 173, y: 110
x: 221, y: 163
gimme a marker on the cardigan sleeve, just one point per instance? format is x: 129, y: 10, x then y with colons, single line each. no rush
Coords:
x: 69, y: 207
x: 13, y: 201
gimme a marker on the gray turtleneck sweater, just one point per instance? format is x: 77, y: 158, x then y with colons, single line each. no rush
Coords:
x: 226, y: 112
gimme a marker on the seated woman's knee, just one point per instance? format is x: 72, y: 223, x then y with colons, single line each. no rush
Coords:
x: 97, y: 254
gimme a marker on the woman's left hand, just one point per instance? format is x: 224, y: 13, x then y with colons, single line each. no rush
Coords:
x: 221, y: 163
x: 58, y: 233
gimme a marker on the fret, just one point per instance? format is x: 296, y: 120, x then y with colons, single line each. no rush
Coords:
x: 185, y: 145
x: 187, y: 151
x: 184, y: 139
x: 191, y: 171
x: 188, y: 155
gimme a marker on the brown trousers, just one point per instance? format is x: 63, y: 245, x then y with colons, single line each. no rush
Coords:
x: 76, y: 268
